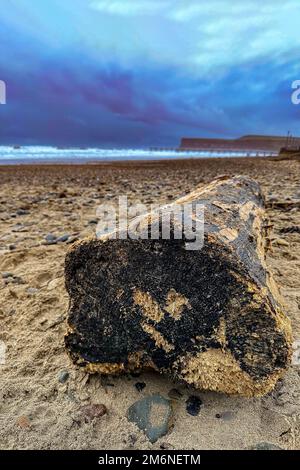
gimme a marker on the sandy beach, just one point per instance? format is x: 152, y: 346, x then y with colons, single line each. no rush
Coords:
x: 43, y: 396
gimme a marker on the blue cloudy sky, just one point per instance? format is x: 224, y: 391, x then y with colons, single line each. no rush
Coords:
x: 146, y: 72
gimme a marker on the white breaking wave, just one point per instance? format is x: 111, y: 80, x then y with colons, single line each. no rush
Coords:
x: 44, y: 154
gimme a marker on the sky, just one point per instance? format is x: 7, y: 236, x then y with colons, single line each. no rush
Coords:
x: 137, y: 73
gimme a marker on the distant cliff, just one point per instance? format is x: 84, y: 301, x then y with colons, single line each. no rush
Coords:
x: 248, y: 142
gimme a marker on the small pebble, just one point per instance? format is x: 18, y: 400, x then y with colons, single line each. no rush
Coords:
x: 140, y: 386
x: 265, y: 446
x: 226, y: 415
x: 281, y: 242
x: 193, y: 405
x: 63, y: 376
x: 32, y: 290
x: 19, y: 228
x: 14, y: 280
x: 132, y: 438
x: 153, y: 415
x: 50, y: 237
x: 23, y: 422
x: 71, y: 395
x: 62, y: 239
x: 6, y: 275
x: 90, y: 412
x: 22, y: 212
x: 166, y: 446
x: 18, y: 280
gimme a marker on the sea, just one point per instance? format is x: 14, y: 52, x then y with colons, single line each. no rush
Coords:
x: 37, y: 154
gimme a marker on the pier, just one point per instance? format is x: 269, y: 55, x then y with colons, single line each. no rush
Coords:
x: 219, y: 150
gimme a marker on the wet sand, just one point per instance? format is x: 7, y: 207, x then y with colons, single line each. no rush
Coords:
x: 42, y: 394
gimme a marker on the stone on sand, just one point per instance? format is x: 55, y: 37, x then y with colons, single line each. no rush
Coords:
x: 152, y: 415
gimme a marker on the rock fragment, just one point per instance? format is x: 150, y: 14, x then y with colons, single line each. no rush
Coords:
x: 152, y: 415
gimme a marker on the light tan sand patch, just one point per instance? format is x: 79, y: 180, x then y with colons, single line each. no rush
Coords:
x: 159, y: 340
x: 223, y: 373
x: 150, y: 307
x: 229, y: 233
x: 175, y: 304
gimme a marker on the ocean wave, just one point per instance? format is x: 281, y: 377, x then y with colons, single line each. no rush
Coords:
x: 38, y: 153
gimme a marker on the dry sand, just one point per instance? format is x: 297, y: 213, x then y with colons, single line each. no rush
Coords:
x: 36, y: 410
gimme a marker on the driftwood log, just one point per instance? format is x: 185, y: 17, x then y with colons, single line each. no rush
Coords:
x: 211, y: 318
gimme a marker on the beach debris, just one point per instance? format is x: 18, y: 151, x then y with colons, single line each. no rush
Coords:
x: 23, y: 422
x: 280, y: 242
x: 265, y: 446
x: 72, y: 239
x: 10, y: 278
x: 175, y: 394
x: 7, y: 275
x: 166, y: 446
x: 210, y: 317
x: 286, y: 204
x: 193, y: 405
x: 63, y: 238
x: 19, y: 228
x: 50, y: 239
x: 153, y: 415
x: 63, y: 376
x: 72, y: 396
x: 140, y: 386
x: 291, y: 229
x: 132, y: 439
x: 226, y: 415
x: 18, y: 280
x: 22, y: 212
x: 93, y: 411
x: 32, y: 290
x: 60, y: 319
